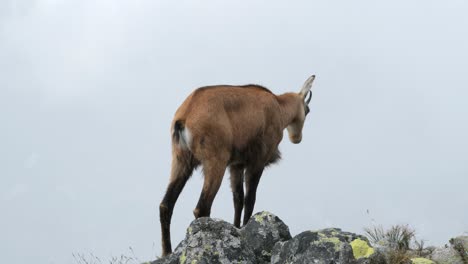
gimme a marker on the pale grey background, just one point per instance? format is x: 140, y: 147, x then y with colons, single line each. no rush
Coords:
x: 88, y: 90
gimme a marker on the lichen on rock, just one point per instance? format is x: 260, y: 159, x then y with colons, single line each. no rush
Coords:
x: 182, y: 258
x: 447, y: 256
x: 266, y: 239
x: 211, y: 241
x: 422, y: 261
x: 262, y: 232
x: 332, y: 240
x: 325, y: 246
x: 361, y: 248
x: 460, y: 244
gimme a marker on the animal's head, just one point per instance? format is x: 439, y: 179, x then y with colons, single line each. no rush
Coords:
x: 301, y: 110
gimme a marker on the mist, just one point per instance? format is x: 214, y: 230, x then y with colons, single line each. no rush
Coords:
x: 88, y: 90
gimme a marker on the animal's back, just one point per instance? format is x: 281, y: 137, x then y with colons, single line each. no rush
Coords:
x: 235, y: 114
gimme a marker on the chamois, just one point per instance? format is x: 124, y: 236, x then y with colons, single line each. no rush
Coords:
x: 222, y: 126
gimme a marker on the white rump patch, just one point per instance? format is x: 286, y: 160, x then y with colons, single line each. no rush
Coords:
x: 185, y: 138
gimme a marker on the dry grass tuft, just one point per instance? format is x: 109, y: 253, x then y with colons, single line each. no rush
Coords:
x: 399, y: 241
x: 90, y: 258
x: 398, y: 237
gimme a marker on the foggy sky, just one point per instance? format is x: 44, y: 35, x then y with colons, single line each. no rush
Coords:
x: 88, y: 90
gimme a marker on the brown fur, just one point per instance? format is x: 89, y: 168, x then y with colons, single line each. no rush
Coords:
x: 239, y: 127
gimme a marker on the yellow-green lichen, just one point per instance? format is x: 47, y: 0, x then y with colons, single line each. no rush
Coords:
x: 323, y: 239
x: 207, y: 247
x: 259, y: 217
x: 422, y: 261
x: 182, y: 258
x: 361, y: 249
x: 194, y: 261
x: 189, y: 230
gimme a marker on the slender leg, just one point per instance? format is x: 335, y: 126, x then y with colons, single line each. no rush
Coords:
x: 252, y: 178
x: 213, y: 170
x: 182, y: 168
x: 237, y: 179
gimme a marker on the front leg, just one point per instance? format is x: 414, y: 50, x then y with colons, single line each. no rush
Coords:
x: 237, y: 180
x: 252, y: 178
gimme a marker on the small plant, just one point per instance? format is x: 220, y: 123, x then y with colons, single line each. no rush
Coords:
x: 419, y: 247
x: 90, y: 258
x: 400, y: 243
x: 375, y: 234
x: 398, y: 257
x: 400, y: 236
x: 81, y: 258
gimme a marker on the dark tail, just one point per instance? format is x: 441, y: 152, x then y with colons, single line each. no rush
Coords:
x: 177, y: 131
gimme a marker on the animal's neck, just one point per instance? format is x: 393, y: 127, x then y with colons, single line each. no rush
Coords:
x: 288, y: 105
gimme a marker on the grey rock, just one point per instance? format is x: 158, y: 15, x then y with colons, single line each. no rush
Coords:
x: 460, y: 244
x: 262, y: 232
x: 377, y: 258
x: 447, y: 255
x: 321, y: 247
x: 266, y: 239
x: 211, y: 241
x: 172, y: 259
x: 346, y: 254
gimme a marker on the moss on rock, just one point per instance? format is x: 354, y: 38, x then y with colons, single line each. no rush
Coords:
x: 361, y: 249
x: 259, y: 217
x: 334, y: 240
x: 182, y: 258
x: 422, y: 261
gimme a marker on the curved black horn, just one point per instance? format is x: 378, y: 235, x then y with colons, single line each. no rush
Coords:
x: 310, y: 97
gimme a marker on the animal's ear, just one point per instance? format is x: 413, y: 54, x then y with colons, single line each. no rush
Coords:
x: 307, y: 85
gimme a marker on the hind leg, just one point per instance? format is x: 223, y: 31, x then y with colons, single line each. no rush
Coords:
x: 213, y: 170
x: 182, y: 168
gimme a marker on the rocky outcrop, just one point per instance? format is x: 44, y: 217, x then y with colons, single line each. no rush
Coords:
x: 326, y: 246
x: 211, y: 241
x: 446, y: 256
x: 262, y: 232
x: 266, y: 239
x: 455, y: 253
x: 460, y: 244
